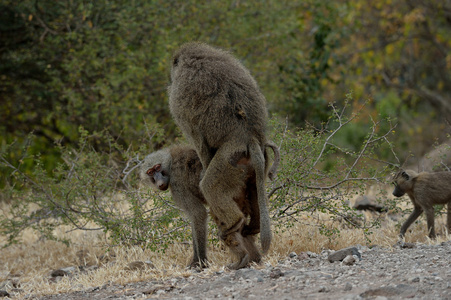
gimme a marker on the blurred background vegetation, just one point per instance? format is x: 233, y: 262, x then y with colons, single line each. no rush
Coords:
x: 103, y: 65
x: 83, y: 97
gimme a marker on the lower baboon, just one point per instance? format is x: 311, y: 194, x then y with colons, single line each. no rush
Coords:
x: 219, y: 107
x: 425, y: 190
x: 179, y: 169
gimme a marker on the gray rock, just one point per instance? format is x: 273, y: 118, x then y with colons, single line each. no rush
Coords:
x: 349, y: 260
x: 4, y: 293
x: 139, y: 265
x: 276, y: 273
x: 370, y: 203
x: 341, y: 254
x: 347, y: 287
x: 63, y: 272
x: 248, y: 274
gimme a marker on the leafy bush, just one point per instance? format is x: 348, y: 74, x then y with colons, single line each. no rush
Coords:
x: 317, y: 174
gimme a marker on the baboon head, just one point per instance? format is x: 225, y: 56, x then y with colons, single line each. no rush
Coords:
x: 157, y: 168
x: 403, y: 182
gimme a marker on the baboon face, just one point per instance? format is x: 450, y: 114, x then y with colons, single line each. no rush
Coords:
x: 400, y: 181
x: 158, y: 177
x: 157, y: 168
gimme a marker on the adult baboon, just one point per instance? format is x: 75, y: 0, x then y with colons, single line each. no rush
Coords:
x: 425, y: 190
x: 220, y: 109
x: 178, y: 168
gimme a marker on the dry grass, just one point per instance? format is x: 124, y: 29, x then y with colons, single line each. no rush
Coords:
x: 33, y: 261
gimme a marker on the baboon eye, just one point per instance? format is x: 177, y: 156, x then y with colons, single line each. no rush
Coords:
x: 157, y: 168
x: 150, y: 172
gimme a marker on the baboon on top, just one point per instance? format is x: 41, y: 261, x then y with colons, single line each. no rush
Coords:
x: 425, y: 190
x: 178, y: 168
x: 218, y: 106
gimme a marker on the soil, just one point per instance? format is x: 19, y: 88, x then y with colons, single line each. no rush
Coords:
x: 414, y: 271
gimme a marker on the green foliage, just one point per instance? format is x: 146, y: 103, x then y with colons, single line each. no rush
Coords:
x: 307, y: 183
x: 89, y: 190
x: 104, y: 65
x: 98, y: 190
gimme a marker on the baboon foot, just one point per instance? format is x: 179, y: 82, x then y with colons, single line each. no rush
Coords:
x: 237, y: 244
x: 243, y: 263
x: 254, y: 254
x: 198, y: 264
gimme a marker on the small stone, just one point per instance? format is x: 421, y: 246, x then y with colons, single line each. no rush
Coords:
x: 408, y: 245
x: 414, y: 279
x: 347, y: 287
x: 139, y: 265
x: 322, y: 289
x: 341, y: 254
x: 276, y: 273
x: 312, y: 254
x: 303, y: 255
x: 370, y: 203
x: 63, y: 272
x: 292, y: 255
x: 349, y: 260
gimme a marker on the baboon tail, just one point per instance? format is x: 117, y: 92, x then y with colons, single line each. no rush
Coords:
x: 258, y: 161
x: 275, y: 165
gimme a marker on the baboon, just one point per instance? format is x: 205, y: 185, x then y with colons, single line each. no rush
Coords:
x: 178, y: 168
x: 218, y: 106
x: 425, y: 190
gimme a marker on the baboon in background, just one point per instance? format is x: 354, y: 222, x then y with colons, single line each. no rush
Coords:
x: 218, y: 106
x: 425, y: 190
x: 178, y: 168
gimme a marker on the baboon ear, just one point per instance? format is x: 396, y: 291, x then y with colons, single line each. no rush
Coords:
x: 405, y: 175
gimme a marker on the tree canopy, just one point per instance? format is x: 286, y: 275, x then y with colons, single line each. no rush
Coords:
x: 104, y: 65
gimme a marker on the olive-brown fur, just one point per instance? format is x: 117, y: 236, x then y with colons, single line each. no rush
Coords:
x: 424, y: 190
x: 218, y: 106
x: 182, y: 168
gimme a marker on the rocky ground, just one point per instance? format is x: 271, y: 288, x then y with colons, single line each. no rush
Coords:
x: 415, y: 271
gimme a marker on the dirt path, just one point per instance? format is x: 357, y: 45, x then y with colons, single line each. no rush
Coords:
x: 421, y: 272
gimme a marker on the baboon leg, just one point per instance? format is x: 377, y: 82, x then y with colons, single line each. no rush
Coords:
x: 197, y: 214
x: 254, y: 254
x: 199, y: 231
x: 430, y: 221
x: 220, y: 184
x: 449, y: 218
x: 412, y: 218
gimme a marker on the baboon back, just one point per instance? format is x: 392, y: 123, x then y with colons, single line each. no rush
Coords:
x: 213, y: 98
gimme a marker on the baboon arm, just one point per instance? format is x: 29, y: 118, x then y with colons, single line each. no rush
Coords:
x: 430, y: 221
x: 197, y: 214
x: 199, y: 230
x: 412, y: 218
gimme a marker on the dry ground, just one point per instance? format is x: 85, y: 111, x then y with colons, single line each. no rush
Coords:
x: 25, y: 270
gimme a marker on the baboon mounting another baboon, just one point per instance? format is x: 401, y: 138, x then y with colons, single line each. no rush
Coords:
x: 218, y: 106
x: 425, y: 190
x: 179, y: 169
